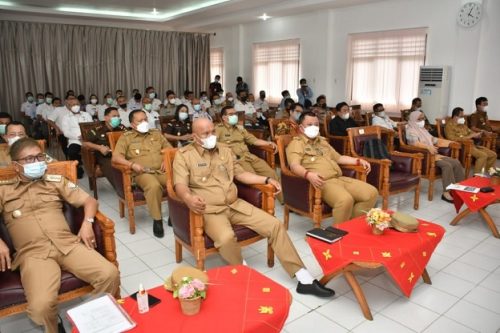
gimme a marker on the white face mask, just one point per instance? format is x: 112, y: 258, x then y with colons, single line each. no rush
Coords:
x: 209, y: 142
x: 217, y: 101
x: 183, y: 116
x: 345, y: 116
x: 143, y: 127
x: 230, y: 99
x: 172, y: 101
x: 93, y: 101
x: 461, y: 121
x: 13, y: 139
x: 485, y: 108
x: 421, y: 123
x: 75, y: 108
x: 152, y: 95
x: 311, y: 131
x: 381, y: 114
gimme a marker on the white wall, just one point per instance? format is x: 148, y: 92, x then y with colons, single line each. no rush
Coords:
x: 473, y: 53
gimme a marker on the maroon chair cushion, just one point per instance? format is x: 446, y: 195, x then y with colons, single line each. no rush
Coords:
x: 401, y: 163
x: 359, y: 142
x: 446, y: 151
x: 11, y: 290
x: 295, y: 192
x: 400, y: 180
x: 337, y: 144
x: 258, y: 152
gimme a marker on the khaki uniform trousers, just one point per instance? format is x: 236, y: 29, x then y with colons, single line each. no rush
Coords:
x: 254, y: 164
x: 348, y: 197
x: 451, y: 171
x: 485, y: 158
x: 41, y: 280
x: 152, y: 185
x: 218, y: 226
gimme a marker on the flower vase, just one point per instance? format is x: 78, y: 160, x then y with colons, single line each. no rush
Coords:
x: 190, y: 307
x: 376, y: 231
x: 495, y: 180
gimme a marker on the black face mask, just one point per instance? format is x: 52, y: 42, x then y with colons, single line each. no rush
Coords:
x: 123, y: 106
x: 243, y: 98
x: 262, y: 96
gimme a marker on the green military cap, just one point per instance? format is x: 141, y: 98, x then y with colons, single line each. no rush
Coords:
x: 404, y: 222
x: 172, y: 281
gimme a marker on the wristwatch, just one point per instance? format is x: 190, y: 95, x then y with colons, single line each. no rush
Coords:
x: 90, y: 220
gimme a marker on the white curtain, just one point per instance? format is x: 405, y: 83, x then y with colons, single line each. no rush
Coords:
x: 217, y: 64
x: 41, y: 57
x: 276, y: 68
x: 384, y: 67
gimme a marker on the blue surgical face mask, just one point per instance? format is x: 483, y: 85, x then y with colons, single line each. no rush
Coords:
x: 197, y: 107
x: 48, y: 100
x: 30, y: 99
x: 152, y: 95
x: 34, y: 170
x: 183, y: 116
x: 2, y: 129
x: 148, y: 107
x: 115, y: 122
x: 232, y: 119
x: 296, y: 115
x: 109, y: 101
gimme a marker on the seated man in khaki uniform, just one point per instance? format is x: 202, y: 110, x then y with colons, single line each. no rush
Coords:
x: 311, y: 156
x: 140, y: 150
x: 98, y: 140
x: 456, y: 129
x: 41, y: 236
x: 203, y: 178
x: 479, y: 121
x: 13, y: 132
x: 237, y: 138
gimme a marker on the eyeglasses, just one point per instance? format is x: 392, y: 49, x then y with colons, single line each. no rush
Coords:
x: 30, y: 159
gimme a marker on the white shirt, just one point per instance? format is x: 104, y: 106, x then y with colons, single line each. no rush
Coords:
x: 71, y: 128
x: 247, y: 107
x: 385, y: 122
x: 187, y: 103
x: 92, y: 109
x: 177, y: 102
x: 133, y: 105
x: 100, y: 111
x: 205, y: 103
x: 58, y: 114
x: 156, y: 105
x: 124, y: 116
x: 261, y: 104
x: 29, y: 109
x: 44, y: 110
x: 153, y: 119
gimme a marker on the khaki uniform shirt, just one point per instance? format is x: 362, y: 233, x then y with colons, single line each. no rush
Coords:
x: 32, y: 212
x: 236, y: 137
x: 210, y: 174
x: 98, y: 134
x: 479, y: 119
x: 314, y: 155
x: 143, y: 148
x: 4, y: 155
x: 454, y: 131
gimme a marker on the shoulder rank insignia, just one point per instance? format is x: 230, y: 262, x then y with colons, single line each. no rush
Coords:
x: 8, y: 181
x: 53, y: 178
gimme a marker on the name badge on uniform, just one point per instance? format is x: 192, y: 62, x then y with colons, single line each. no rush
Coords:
x: 227, y: 134
x: 137, y: 151
x: 17, y: 213
x: 307, y: 149
x: 72, y: 185
x: 202, y: 164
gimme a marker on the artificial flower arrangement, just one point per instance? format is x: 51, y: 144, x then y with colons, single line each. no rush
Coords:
x: 378, y: 219
x: 190, y: 288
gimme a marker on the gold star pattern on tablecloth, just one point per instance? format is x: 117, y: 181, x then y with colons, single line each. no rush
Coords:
x: 266, y: 309
x: 386, y: 254
x: 474, y: 198
x: 410, y: 278
x: 327, y: 254
x: 431, y: 234
x: 266, y: 290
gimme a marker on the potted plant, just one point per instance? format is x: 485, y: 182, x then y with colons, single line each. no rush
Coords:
x: 495, y: 175
x: 378, y: 219
x: 190, y: 292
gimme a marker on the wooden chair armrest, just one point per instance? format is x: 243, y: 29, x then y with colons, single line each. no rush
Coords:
x: 417, y: 156
x: 124, y: 169
x: 108, y: 232
x: 269, y: 152
x: 454, y: 145
x: 360, y: 170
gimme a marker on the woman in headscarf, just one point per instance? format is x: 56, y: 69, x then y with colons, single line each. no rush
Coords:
x: 451, y: 169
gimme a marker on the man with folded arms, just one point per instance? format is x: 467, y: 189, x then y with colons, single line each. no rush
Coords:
x: 41, y: 236
x: 140, y: 150
x: 311, y: 156
x: 203, y: 178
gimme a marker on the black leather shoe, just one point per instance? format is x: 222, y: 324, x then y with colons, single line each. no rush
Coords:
x: 315, y: 288
x: 158, y: 228
x: 169, y: 222
x: 445, y: 199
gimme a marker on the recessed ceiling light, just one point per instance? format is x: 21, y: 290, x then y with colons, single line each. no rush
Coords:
x: 264, y: 17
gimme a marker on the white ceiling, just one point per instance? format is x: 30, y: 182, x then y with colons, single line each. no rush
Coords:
x: 179, y: 15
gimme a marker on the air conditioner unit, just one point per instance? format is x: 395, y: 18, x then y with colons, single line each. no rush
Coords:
x: 434, y: 89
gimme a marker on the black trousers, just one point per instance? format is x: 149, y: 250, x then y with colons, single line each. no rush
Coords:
x: 75, y: 154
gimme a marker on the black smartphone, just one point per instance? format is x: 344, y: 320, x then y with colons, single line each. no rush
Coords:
x: 152, y: 301
x: 486, y: 189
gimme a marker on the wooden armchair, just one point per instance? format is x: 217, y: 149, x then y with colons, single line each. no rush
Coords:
x: 339, y: 143
x: 486, y: 140
x: 298, y: 193
x: 188, y: 226
x: 12, y: 298
x: 429, y: 170
x: 399, y: 174
x: 464, y: 154
x: 129, y: 194
x: 88, y: 156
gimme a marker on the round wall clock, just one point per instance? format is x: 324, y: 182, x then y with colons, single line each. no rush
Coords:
x: 469, y: 14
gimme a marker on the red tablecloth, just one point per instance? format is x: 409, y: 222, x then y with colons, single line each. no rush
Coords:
x: 404, y: 255
x: 239, y: 299
x: 475, y: 201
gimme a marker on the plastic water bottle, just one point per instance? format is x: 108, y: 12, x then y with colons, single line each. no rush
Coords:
x: 142, y: 300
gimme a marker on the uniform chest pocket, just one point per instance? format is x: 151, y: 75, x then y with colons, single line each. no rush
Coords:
x: 12, y: 205
x: 311, y: 155
x: 134, y: 149
x: 49, y: 198
x: 201, y: 173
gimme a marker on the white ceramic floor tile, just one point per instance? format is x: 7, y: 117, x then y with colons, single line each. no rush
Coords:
x: 486, y: 298
x: 466, y: 272
x: 148, y: 245
x: 377, y: 298
x: 432, y: 298
x: 343, y: 311
x: 410, y: 314
x: 439, y: 261
x: 480, y: 261
x: 451, y: 284
x: 297, y: 310
x: 443, y: 325
x: 381, y: 323
x: 474, y: 316
x: 131, y: 266
x: 491, y: 282
x: 149, y: 279
x: 313, y: 321
x: 158, y: 258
